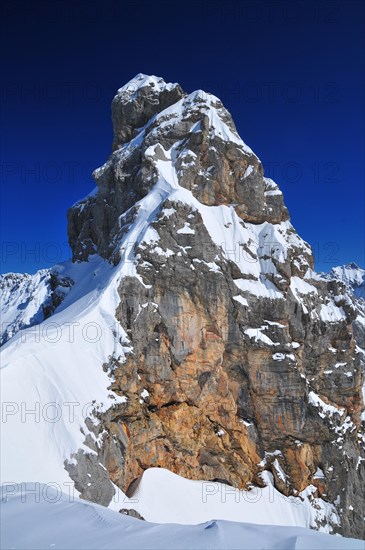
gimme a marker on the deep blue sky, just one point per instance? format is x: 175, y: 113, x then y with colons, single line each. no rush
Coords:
x: 291, y: 73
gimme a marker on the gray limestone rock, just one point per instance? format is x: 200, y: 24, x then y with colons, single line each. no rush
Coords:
x: 243, y: 358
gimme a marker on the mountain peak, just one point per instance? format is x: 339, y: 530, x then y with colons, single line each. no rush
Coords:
x: 353, y: 265
x: 137, y: 102
x: 219, y: 354
x: 206, y: 156
x: 143, y: 80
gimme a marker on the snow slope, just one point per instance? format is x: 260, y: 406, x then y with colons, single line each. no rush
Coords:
x: 52, y: 377
x: 164, y: 497
x: 50, y: 519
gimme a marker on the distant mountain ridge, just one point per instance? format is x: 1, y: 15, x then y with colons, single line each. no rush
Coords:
x: 27, y: 300
x: 352, y: 275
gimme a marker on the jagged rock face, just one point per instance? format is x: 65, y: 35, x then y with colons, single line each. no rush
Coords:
x: 206, y: 399
x: 209, y: 157
x: 137, y: 102
x: 353, y: 277
x: 243, y: 358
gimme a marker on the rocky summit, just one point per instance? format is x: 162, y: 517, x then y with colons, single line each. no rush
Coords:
x: 231, y: 358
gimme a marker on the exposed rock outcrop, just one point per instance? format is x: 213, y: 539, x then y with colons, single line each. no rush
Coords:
x: 132, y: 513
x: 210, y: 160
x: 243, y: 358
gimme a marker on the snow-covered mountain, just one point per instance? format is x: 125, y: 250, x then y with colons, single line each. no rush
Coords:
x: 26, y: 300
x: 22, y: 298
x: 190, y: 334
x: 353, y: 277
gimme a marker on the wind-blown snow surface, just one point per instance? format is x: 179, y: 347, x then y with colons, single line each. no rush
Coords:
x: 52, y: 377
x: 49, y: 519
x: 164, y: 497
